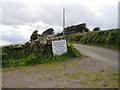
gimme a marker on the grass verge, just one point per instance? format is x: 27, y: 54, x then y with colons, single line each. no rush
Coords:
x: 100, y: 79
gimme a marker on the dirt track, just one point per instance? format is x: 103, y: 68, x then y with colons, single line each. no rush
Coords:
x: 81, y: 72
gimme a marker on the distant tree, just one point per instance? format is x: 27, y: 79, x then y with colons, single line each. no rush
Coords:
x: 34, y: 35
x: 96, y: 29
x: 82, y: 27
x: 87, y: 30
x: 76, y: 28
x: 48, y: 32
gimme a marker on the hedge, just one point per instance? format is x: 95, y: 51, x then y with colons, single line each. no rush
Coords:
x: 108, y: 37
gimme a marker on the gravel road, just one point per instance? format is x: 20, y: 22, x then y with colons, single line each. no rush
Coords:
x: 98, y: 53
x: 83, y: 72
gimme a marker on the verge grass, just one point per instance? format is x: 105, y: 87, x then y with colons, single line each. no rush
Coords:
x: 100, y: 79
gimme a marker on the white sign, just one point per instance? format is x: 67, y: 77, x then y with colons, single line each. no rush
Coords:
x: 59, y: 47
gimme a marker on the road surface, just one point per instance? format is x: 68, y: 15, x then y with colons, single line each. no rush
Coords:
x: 82, y: 72
x: 98, y: 53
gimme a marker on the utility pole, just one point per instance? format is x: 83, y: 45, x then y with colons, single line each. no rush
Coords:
x: 119, y: 14
x: 63, y: 21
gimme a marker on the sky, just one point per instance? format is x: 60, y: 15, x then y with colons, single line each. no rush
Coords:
x: 19, y: 18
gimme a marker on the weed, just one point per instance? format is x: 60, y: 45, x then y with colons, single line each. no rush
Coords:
x: 102, y: 70
x: 66, y: 87
x: 85, y: 82
x: 95, y: 79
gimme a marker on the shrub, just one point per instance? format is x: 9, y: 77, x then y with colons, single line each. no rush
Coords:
x: 37, y: 56
x: 107, y: 37
x: 72, y: 52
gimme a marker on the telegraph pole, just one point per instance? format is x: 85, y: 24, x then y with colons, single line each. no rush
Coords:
x: 63, y: 21
x: 119, y: 14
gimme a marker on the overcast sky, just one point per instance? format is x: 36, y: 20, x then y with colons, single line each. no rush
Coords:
x: 19, y: 18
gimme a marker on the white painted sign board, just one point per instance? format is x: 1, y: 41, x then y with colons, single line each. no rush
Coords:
x: 59, y: 47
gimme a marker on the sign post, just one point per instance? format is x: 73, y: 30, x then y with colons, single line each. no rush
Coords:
x: 59, y: 47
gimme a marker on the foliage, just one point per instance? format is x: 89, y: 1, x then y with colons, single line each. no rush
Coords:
x: 72, y: 52
x: 48, y: 32
x: 96, y: 29
x: 76, y: 28
x: 107, y: 38
x: 30, y: 54
x: 34, y: 35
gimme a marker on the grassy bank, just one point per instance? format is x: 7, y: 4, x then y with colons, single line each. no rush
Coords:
x: 107, y: 38
x: 36, y: 57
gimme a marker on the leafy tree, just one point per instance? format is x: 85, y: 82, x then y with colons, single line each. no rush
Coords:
x: 49, y: 31
x: 96, y: 29
x: 76, y: 28
x: 34, y: 35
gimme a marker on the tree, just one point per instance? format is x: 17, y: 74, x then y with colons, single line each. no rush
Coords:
x: 34, y: 35
x: 76, y: 28
x: 96, y: 29
x: 49, y: 31
x: 82, y: 28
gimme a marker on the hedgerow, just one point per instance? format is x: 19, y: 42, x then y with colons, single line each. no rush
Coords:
x: 32, y: 54
x: 106, y: 37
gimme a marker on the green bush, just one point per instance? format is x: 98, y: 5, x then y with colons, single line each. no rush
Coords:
x: 72, y: 52
x: 37, y: 56
x: 104, y: 38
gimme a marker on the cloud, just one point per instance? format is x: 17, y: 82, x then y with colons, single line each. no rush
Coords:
x: 15, y: 34
x: 42, y: 27
x: 16, y: 13
x: 20, y: 18
x: 22, y: 33
x: 2, y: 42
x: 20, y: 13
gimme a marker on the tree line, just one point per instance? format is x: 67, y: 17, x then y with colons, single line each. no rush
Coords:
x: 80, y: 28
